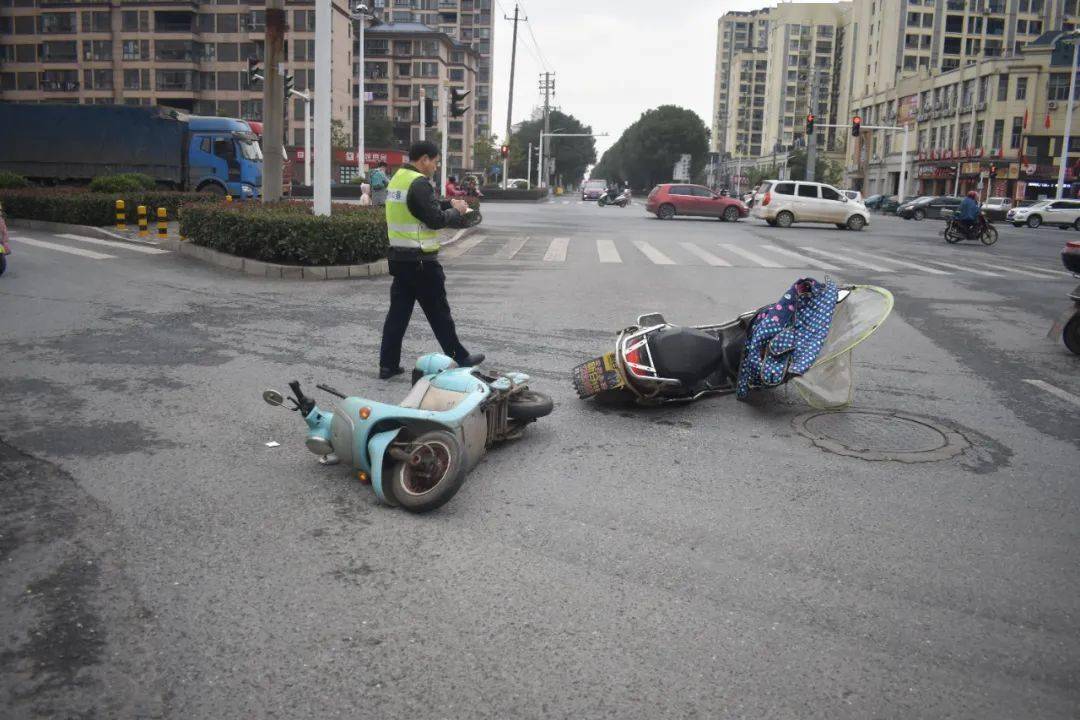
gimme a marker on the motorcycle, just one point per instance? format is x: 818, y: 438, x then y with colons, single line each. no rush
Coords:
x: 982, y: 229
x: 416, y: 454
x: 622, y: 199
x: 5, y: 249
x: 656, y: 362
x: 1068, y: 325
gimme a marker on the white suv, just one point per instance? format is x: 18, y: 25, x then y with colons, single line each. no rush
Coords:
x: 783, y: 202
x: 1063, y: 213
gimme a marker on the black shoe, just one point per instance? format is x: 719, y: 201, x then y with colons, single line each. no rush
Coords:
x: 471, y: 360
x: 387, y: 373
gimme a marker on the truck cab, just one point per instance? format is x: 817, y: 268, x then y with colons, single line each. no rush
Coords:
x: 224, y: 157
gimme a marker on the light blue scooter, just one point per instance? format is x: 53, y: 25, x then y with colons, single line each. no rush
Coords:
x: 416, y: 454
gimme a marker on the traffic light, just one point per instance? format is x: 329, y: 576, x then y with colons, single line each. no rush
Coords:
x: 429, y: 112
x: 504, y: 151
x: 810, y: 124
x: 856, y: 126
x: 254, y: 70
x: 456, y: 97
x: 290, y: 82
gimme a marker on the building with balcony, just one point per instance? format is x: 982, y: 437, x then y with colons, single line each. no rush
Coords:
x: 191, y: 55
x: 736, y: 32
x: 470, y: 23
x: 400, y: 60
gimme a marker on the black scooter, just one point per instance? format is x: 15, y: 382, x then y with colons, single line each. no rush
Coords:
x: 1068, y: 325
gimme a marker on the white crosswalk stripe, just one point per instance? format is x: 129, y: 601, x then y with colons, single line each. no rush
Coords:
x: 802, y: 258
x: 607, y: 252
x: 704, y: 255
x: 116, y: 244
x: 752, y: 257
x: 962, y: 268
x: 1043, y: 269
x: 1004, y: 268
x: 556, y: 251
x: 652, y: 253
x: 842, y: 258
x: 462, y: 246
x: 904, y: 263
x: 64, y: 249
x: 511, y: 248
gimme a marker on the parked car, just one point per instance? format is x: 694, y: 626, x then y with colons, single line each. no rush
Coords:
x: 928, y: 207
x: 787, y: 202
x: 1063, y: 213
x: 593, y: 189
x: 889, y: 206
x: 671, y: 199
x: 996, y: 208
x: 853, y: 195
x: 875, y: 202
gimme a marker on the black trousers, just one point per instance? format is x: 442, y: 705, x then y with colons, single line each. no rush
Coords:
x: 425, y: 282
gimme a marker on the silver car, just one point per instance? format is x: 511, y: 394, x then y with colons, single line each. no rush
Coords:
x: 1063, y: 213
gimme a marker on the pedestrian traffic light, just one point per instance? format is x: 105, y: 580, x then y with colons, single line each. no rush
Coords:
x: 856, y: 126
x: 254, y: 70
x: 810, y: 124
x: 429, y: 112
x: 504, y: 151
x: 456, y: 97
x: 290, y: 83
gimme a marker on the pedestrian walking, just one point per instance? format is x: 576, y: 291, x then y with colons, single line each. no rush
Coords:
x: 414, y: 217
x: 379, y: 182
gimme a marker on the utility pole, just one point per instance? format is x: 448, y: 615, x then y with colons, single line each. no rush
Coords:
x: 510, y: 102
x: 1068, y: 115
x: 423, y: 114
x: 547, y: 86
x: 273, y: 100
x: 811, y: 140
x: 324, y: 154
x: 444, y: 133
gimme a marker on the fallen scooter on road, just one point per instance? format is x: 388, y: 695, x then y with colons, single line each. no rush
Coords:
x: 1067, y: 327
x: 622, y: 199
x: 807, y: 338
x: 416, y: 454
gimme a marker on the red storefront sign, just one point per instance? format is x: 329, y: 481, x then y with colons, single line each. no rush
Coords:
x: 394, y: 158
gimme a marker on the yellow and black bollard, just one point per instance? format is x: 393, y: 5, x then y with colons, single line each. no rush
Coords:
x: 121, y: 216
x: 162, y: 224
x: 228, y: 198
x: 142, y: 221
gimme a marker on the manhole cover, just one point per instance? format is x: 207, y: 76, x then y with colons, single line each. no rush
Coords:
x: 881, y: 435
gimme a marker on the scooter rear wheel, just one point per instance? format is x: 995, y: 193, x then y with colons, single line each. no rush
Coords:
x: 1071, y: 334
x: 433, y: 474
x: 3, y: 263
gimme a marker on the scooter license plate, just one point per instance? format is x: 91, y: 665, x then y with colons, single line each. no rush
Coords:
x: 596, y: 376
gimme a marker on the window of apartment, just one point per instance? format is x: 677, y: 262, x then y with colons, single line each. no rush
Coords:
x: 952, y: 46
x: 7, y: 81
x: 975, y: 25
x: 1035, y: 27
x: 251, y: 109
x: 228, y: 23
x: 978, y: 134
x: 58, y: 52
x: 1059, y: 86
x: 1003, y: 87
x: 403, y: 47
x: 228, y: 52
x: 304, y: 20
x: 954, y: 23
x: 98, y: 79
x: 1017, y: 132
x: 456, y: 127
x: 136, y: 50
x: 207, y: 81
x: 137, y: 79
x: 254, y: 21
x: 174, y: 80
x: 973, y: 46
x: 135, y: 21
x: 97, y: 50
x: 995, y: 26
x: 426, y: 69
x: 228, y: 81
x: 403, y: 69
x: 303, y: 49
x: 228, y: 108
x: 999, y: 134
x: 24, y: 25
x: 257, y: 50
x: 26, y: 81
x: 95, y: 22
x: 206, y: 22
x: 1021, y: 88
x: 457, y: 75
x: 428, y: 48
x: 402, y: 92
x: 910, y: 62
x: 56, y: 23
x: 173, y: 50
x: 376, y: 46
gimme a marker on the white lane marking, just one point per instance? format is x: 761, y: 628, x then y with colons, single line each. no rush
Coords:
x: 1042, y: 269
x: 511, y: 248
x: 1004, y: 268
x: 802, y: 258
x: 652, y: 253
x: 460, y: 248
x: 608, y: 253
x: 706, y: 256
x: 1055, y: 391
x: 115, y: 244
x: 842, y: 258
x: 556, y: 251
x: 65, y: 249
x: 752, y: 257
x: 905, y: 263
x: 964, y: 268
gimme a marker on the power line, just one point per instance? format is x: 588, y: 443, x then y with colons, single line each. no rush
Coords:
x: 543, y: 60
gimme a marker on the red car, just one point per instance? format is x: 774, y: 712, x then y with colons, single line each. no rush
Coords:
x: 671, y: 199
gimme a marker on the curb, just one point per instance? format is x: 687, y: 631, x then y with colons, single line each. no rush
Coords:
x: 258, y: 268
x: 87, y: 230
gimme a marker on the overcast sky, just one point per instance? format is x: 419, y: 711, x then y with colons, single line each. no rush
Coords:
x: 664, y: 52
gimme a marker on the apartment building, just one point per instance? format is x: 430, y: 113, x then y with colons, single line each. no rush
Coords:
x: 736, y: 32
x: 741, y: 134
x: 468, y: 22
x: 192, y: 56
x: 400, y: 60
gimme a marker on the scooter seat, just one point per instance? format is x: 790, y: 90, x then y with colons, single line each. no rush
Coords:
x: 686, y: 354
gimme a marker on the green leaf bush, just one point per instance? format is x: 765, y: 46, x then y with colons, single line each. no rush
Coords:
x: 122, y: 183
x: 88, y: 208
x: 9, y: 180
x: 288, y: 233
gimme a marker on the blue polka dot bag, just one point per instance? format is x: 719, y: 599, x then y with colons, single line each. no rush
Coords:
x: 786, y: 337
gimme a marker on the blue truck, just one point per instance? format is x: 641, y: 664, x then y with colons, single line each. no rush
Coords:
x: 56, y: 144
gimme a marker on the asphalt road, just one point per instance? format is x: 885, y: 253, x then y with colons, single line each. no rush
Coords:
x: 705, y: 560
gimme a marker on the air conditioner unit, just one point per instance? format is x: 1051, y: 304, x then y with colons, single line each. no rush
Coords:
x: 1051, y: 105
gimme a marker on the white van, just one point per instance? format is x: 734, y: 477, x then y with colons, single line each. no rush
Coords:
x: 784, y: 202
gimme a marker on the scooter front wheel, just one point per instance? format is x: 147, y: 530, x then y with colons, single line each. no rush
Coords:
x: 989, y: 235
x: 529, y: 405
x: 1071, y: 334
x: 432, y: 474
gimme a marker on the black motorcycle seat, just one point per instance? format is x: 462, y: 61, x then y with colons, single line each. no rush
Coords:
x: 686, y: 354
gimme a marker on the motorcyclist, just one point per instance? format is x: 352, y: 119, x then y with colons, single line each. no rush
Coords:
x: 613, y: 191
x: 968, y: 214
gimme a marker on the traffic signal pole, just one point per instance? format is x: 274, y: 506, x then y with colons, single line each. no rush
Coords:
x: 273, y: 100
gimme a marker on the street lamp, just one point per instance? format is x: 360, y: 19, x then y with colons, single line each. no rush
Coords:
x: 306, y: 97
x: 360, y: 13
x: 1073, y: 37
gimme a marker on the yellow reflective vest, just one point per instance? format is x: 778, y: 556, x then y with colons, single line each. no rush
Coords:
x: 404, y: 229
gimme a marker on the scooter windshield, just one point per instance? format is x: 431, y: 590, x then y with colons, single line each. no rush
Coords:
x: 829, y: 383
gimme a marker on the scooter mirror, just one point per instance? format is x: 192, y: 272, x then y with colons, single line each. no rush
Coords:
x: 273, y: 397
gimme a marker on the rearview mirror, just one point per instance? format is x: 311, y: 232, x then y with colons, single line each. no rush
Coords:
x: 273, y: 397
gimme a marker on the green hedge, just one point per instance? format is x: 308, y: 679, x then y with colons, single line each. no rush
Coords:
x: 87, y: 208
x: 9, y: 180
x: 122, y: 183
x: 288, y: 232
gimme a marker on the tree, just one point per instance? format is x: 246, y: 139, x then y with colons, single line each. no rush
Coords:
x: 485, y: 153
x: 572, y: 155
x: 824, y: 170
x: 646, y: 153
x: 378, y: 131
x: 339, y: 139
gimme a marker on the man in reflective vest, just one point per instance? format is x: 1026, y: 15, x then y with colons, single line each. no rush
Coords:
x: 414, y: 217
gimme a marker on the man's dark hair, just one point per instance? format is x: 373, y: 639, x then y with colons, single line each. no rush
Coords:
x: 422, y: 148
x: 381, y: 164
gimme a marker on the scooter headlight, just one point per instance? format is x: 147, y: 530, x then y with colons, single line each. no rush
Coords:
x: 319, y: 445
